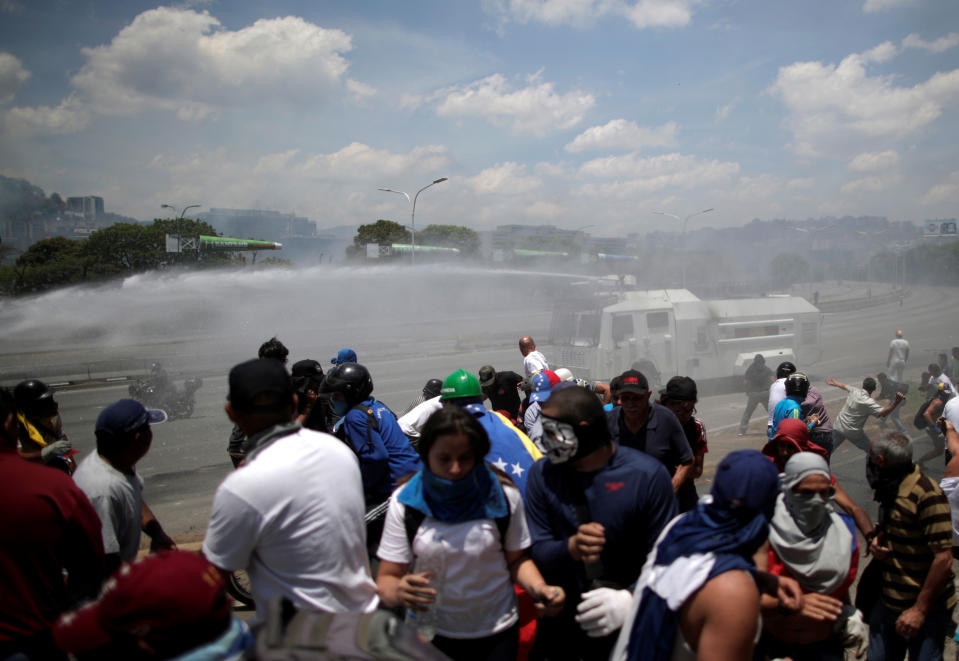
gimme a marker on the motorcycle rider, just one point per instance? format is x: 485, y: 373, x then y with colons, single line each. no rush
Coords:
x: 41, y: 429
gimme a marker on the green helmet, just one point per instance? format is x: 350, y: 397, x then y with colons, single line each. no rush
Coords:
x: 459, y: 385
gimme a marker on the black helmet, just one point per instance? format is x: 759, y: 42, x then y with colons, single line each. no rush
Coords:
x: 432, y: 388
x: 785, y: 369
x: 797, y: 385
x: 351, y: 379
x: 34, y: 398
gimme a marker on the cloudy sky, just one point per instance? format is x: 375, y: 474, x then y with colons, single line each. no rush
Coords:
x: 567, y: 112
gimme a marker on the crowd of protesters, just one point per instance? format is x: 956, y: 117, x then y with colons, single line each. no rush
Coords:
x: 503, y: 516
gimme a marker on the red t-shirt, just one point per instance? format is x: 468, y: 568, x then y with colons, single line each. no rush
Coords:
x: 47, y: 525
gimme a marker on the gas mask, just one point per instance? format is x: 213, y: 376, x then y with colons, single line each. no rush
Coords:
x: 559, y: 440
x: 564, y: 441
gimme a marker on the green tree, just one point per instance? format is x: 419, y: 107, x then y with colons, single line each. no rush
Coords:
x: 382, y: 232
x: 123, y: 248
x: 449, y: 236
x: 787, y: 268
x: 47, y: 264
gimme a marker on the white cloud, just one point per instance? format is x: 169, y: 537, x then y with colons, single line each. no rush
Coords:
x: 68, y: 117
x: 544, y: 210
x: 504, y: 179
x: 881, y: 53
x: 638, y: 175
x: 835, y: 104
x: 872, y: 184
x: 361, y: 91
x: 805, y: 183
x: 875, y: 161
x: 624, y: 135
x: 946, y: 192
x: 722, y: 114
x: 660, y: 13
x: 873, y: 6
x: 940, y: 45
x: 535, y: 109
x: 12, y: 75
x: 185, y: 61
x: 582, y: 13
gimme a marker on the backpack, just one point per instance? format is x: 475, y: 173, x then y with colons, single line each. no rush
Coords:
x: 292, y: 634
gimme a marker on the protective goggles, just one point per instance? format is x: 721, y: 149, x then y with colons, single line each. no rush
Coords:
x: 559, y: 440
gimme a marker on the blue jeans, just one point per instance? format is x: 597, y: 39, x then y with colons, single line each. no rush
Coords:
x: 887, y: 645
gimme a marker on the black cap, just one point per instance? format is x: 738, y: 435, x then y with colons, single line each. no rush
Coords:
x: 251, y: 379
x: 487, y: 375
x: 681, y: 389
x: 308, y: 367
x: 633, y: 381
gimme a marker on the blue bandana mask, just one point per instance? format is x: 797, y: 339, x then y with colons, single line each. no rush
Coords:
x: 478, y: 495
x: 340, y: 407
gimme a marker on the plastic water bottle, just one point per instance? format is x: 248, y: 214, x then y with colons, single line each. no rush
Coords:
x: 432, y: 561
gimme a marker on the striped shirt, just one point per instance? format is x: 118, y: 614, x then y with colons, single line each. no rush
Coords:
x: 918, y: 526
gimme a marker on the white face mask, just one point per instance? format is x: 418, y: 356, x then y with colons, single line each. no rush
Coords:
x: 559, y: 439
x: 808, y: 510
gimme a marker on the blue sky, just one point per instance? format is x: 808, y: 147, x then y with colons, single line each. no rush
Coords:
x: 566, y: 112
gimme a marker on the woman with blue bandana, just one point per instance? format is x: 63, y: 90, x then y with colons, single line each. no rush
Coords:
x: 458, y: 507
x: 702, y: 563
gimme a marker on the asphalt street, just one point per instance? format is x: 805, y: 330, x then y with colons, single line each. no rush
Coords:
x: 188, y: 458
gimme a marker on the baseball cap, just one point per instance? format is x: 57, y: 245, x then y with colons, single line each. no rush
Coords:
x: 253, y: 378
x: 541, y: 387
x: 564, y: 374
x: 170, y: 592
x: 344, y: 356
x: 633, y: 381
x: 552, y: 376
x: 680, y: 388
x: 126, y: 416
x: 306, y: 368
x: 487, y: 375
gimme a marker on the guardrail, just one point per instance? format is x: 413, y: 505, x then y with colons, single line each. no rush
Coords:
x: 861, y: 302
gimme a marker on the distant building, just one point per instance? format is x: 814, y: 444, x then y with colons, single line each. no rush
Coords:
x: 89, y: 206
x: 259, y: 224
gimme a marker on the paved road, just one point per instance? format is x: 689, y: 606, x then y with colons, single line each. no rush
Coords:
x: 459, y: 319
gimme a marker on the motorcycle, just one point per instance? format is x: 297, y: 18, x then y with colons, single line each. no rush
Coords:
x: 161, y: 393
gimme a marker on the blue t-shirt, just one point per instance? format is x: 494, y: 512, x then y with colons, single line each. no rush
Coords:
x: 662, y: 437
x: 631, y: 496
x: 787, y: 408
x: 385, y: 453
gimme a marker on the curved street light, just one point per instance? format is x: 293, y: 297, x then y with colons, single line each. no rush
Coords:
x: 179, y: 217
x: 683, y: 236
x: 413, y: 212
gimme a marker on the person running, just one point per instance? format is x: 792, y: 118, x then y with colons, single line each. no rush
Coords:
x: 533, y: 360
x: 452, y: 512
x: 856, y: 410
x: 756, y: 383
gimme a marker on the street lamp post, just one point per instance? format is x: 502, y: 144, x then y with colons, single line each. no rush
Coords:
x: 179, y: 217
x: 683, y: 236
x: 413, y: 213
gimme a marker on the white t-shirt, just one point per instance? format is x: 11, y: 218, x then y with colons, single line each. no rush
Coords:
x: 899, y: 350
x: 950, y: 487
x: 534, y: 362
x: 293, y: 518
x: 117, y: 497
x: 412, y: 421
x: 476, y: 595
x: 856, y: 410
x: 934, y: 381
x: 777, y: 393
x: 951, y: 412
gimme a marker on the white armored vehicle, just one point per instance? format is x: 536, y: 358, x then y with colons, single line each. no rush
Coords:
x: 672, y: 332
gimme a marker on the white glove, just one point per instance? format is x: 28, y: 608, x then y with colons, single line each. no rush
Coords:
x: 603, y: 611
x: 856, y: 635
x: 49, y: 452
